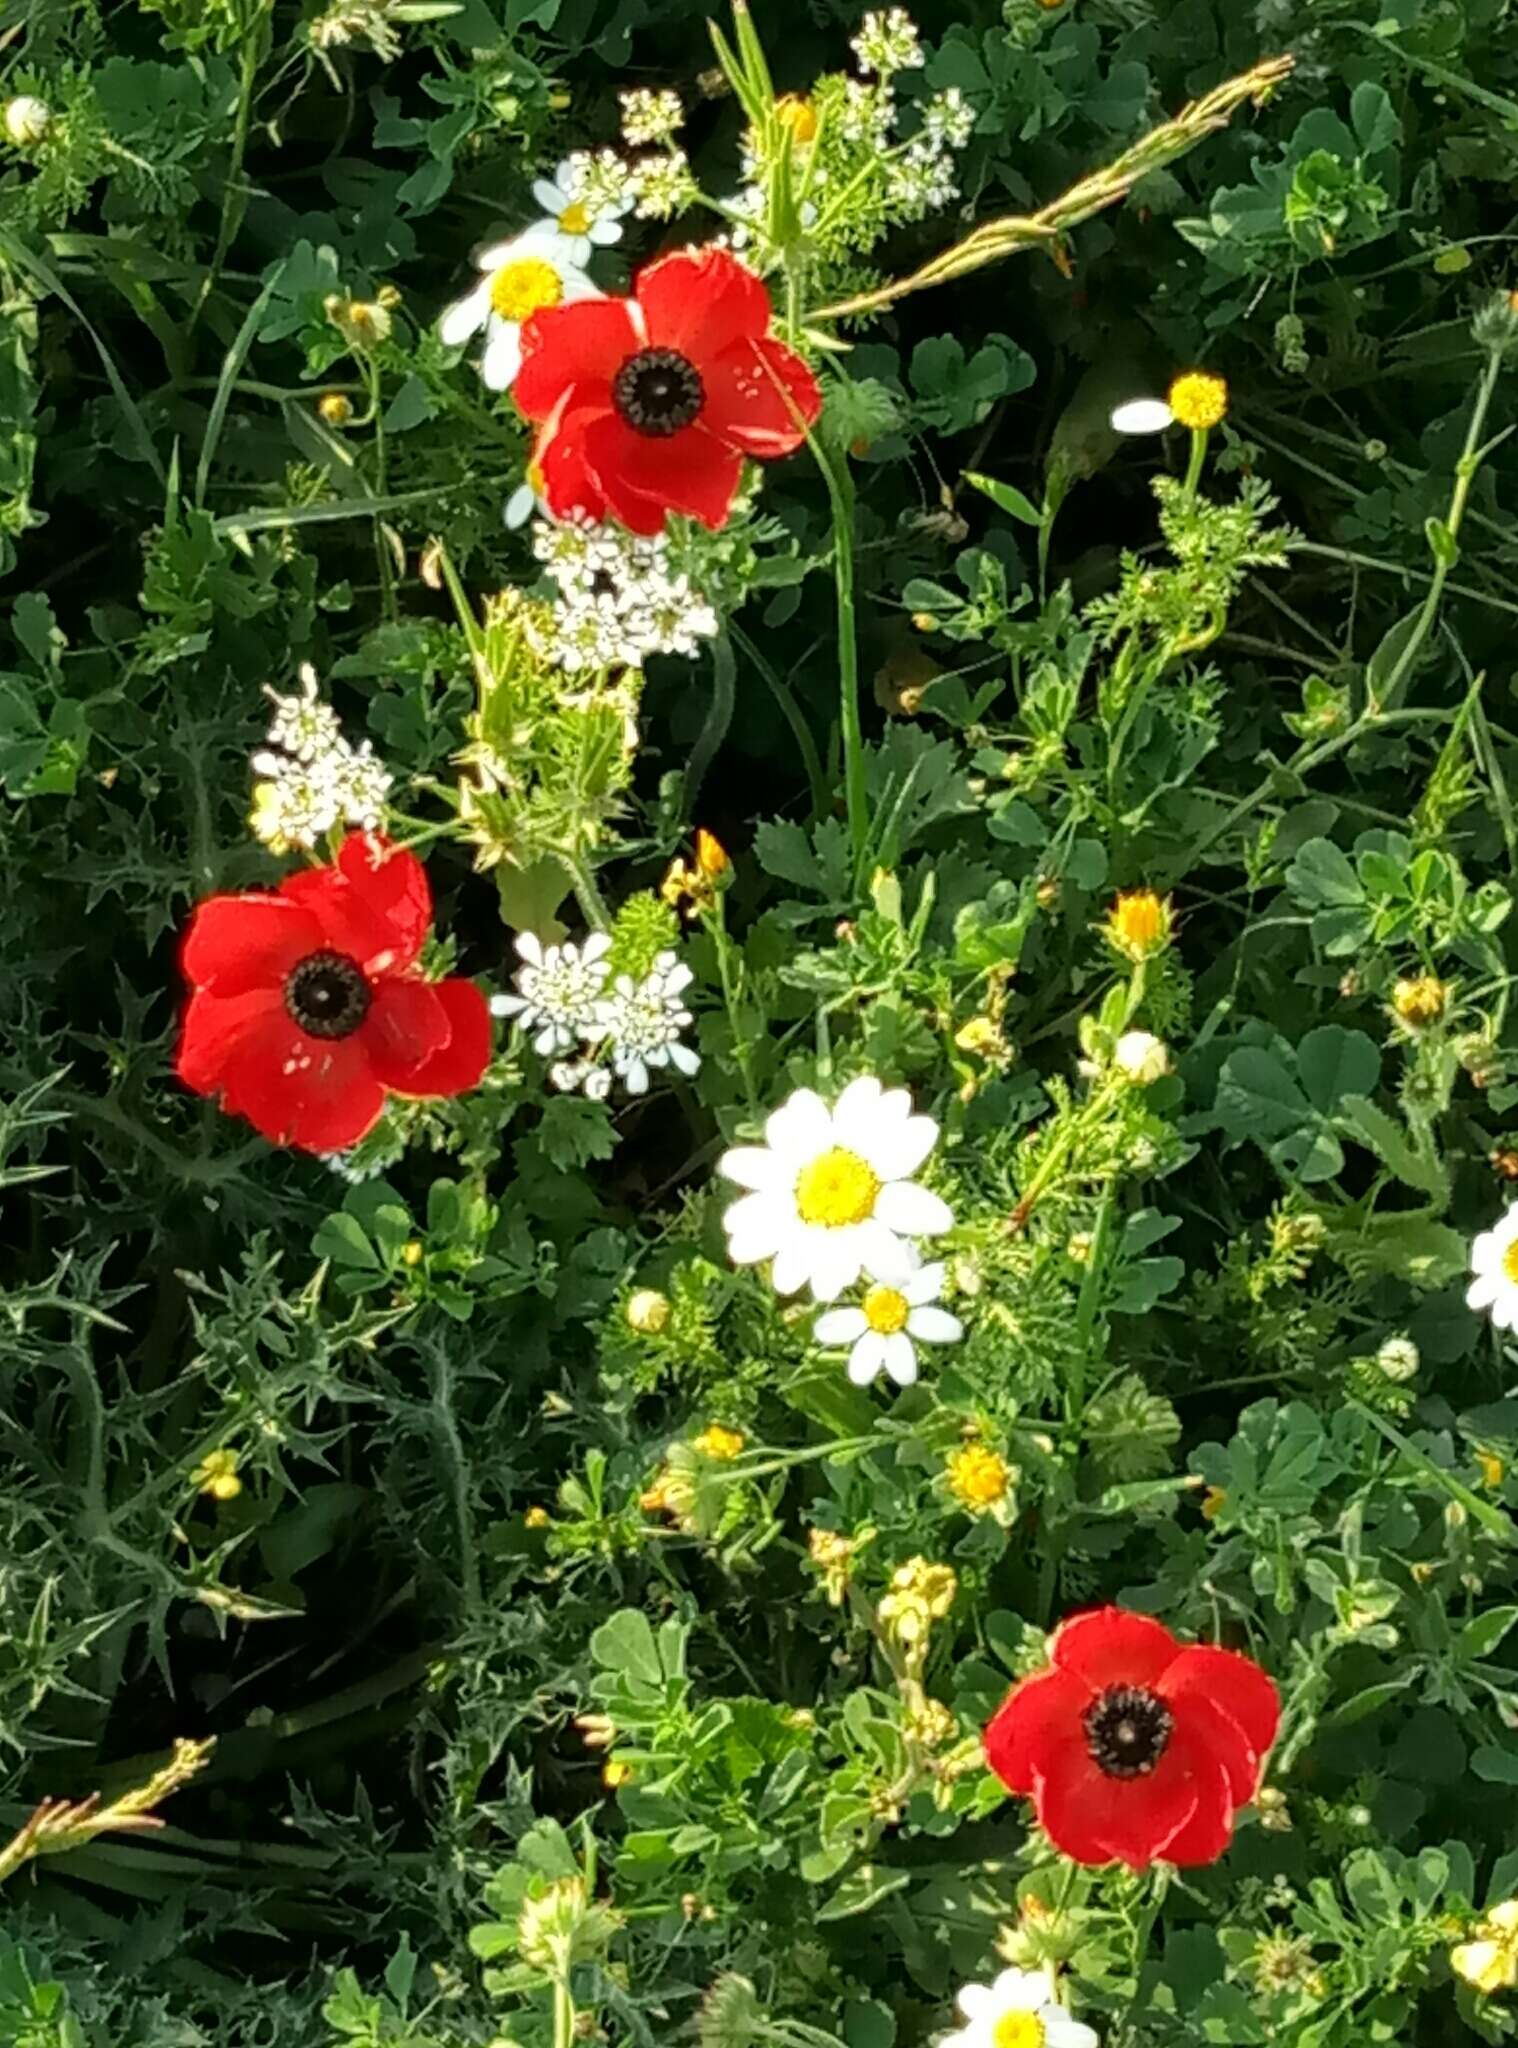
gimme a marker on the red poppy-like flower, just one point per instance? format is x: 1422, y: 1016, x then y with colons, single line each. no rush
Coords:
x: 1133, y: 1746
x: 648, y: 405
x: 307, y: 1008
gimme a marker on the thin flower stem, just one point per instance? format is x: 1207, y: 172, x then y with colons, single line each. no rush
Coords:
x: 592, y: 903
x: 563, y: 2014
x: 840, y: 487
x: 729, y: 971
x: 1194, y: 466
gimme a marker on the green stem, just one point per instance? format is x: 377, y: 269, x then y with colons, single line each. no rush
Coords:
x: 233, y: 198
x: 1445, y: 553
x: 563, y: 2014
x: 840, y: 486
x: 1194, y: 466
x: 592, y: 903
x: 729, y: 970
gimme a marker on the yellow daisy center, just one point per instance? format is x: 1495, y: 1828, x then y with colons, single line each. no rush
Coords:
x: 524, y: 287
x: 977, y: 1476
x: 1510, y: 1262
x: 1139, y: 922
x: 1199, y: 399
x: 575, y: 219
x: 1019, y: 2030
x: 886, y: 1311
x: 836, y: 1188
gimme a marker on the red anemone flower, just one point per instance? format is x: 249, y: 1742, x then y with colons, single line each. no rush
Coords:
x: 648, y: 405
x: 1133, y: 1746
x: 307, y: 1007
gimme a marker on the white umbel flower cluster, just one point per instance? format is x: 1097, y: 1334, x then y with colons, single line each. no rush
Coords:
x: 620, y: 599
x: 625, y: 1033
x: 887, y: 41
x: 310, y: 779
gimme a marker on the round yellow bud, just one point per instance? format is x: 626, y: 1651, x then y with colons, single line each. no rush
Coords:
x: 648, y: 1312
x: 1199, y: 400
x: 335, y: 409
x: 412, y: 1253
x: 1420, y: 999
x: 798, y: 115
x: 537, y: 1518
x: 718, y: 1443
x: 615, y: 1773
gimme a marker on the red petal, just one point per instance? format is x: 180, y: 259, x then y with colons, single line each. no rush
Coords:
x: 405, y: 1026
x: 212, y: 1030
x: 1110, y: 1646
x: 1237, y: 1684
x: 1211, y: 1726
x: 568, y: 484
x: 457, y: 1067
x: 646, y: 475
x: 1096, y: 1818
x: 374, y: 905
x: 1036, y: 1717
x: 700, y: 302
x: 760, y: 397
x: 1210, y: 1829
x: 320, y: 1094
x: 237, y: 943
x: 583, y: 344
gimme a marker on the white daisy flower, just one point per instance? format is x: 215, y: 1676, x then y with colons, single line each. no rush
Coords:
x: 1018, y: 2010
x: 517, y: 279
x: 558, y: 991
x: 644, y: 1021
x: 1494, y: 1269
x: 900, y: 1306
x: 830, y: 1190
x: 580, y: 217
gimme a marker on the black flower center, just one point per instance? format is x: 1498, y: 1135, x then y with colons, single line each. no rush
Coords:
x: 327, y: 995
x: 1127, y: 1731
x: 658, y: 391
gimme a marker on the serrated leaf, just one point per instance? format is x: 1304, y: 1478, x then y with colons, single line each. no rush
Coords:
x: 1389, y: 1140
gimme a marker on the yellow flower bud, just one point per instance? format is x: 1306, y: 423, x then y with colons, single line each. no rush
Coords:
x: 1420, y: 999
x: 335, y: 408
x: 1139, y: 924
x: 718, y: 1443
x: 537, y: 1518
x: 216, y: 1475
x: 798, y: 115
x: 648, y: 1312
x: 1199, y: 400
x: 412, y: 1252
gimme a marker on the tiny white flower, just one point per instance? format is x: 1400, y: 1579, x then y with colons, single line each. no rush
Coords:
x: 830, y: 1189
x: 517, y: 279
x: 1141, y: 1058
x: 650, y: 117
x: 576, y: 213
x: 888, y: 41
x: 644, y: 1022
x: 558, y: 990
x: 1142, y: 416
x: 949, y: 119
x: 901, y: 1306
x: 1017, y: 2010
x: 303, y: 726
x: 665, y: 185
x: 583, y: 1077
x: 1494, y: 1267
x: 1398, y: 1358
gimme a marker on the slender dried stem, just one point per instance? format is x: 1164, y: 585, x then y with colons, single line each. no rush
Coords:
x: 59, y: 1825
x: 994, y: 239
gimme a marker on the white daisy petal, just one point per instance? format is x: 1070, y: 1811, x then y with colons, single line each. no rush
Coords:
x: 792, y: 1268
x: 684, y: 1057
x: 1142, y: 416
x: 753, y: 1166
x: 503, y: 355
x: 1063, y: 2032
x: 801, y: 1127
x: 897, y: 1148
x: 759, y: 1214
x: 549, y: 197
x: 839, y: 1325
x: 1482, y: 1292
x: 900, y: 1359
x: 935, y: 1326
x: 464, y: 318
x: 530, y: 946
x: 923, y: 1283
x: 914, y: 1211
x: 857, y: 1110
x: 888, y: 1256
x: 836, y: 1264
x: 977, y: 2001
x: 867, y: 1358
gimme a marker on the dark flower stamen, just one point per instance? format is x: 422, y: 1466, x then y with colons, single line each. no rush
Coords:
x: 327, y: 995
x: 1127, y: 1731
x: 658, y: 391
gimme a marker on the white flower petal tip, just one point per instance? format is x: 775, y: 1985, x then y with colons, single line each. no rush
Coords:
x: 1493, y: 1288
x: 1142, y: 416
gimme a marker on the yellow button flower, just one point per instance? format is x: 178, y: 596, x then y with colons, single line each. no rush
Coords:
x: 1199, y: 400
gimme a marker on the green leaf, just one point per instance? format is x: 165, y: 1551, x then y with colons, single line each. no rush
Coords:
x: 1006, y: 498
x: 1390, y: 1141
x: 573, y: 1132
x: 1480, y: 1637
x: 626, y: 1644
x: 1333, y: 1062
x: 1321, y: 877
x: 342, y: 1239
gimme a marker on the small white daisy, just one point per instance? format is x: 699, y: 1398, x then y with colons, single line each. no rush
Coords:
x: 517, y: 279
x: 1018, y: 2010
x: 900, y: 1306
x: 1494, y: 1269
x: 574, y: 212
x: 558, y: 991
x: 644, y: 1021
x: 830, y: 1190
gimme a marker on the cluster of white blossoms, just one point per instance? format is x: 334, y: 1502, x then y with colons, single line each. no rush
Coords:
x: 619, y: 600
x: 887, y: 41
x: 1019, y: 2009
x: 625, y: 1032
x: 310, y: 778
x: 831, y: 1201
